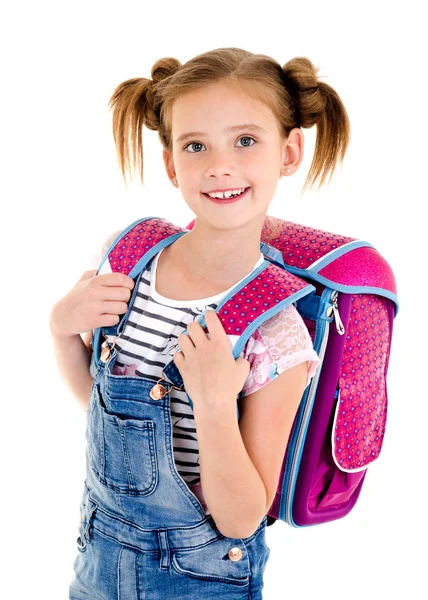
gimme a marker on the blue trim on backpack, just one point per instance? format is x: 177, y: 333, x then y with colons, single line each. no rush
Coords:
x: 337, y: 252
x: 272, y: 253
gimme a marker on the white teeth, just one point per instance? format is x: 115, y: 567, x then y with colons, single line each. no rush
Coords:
x: 227, y: 194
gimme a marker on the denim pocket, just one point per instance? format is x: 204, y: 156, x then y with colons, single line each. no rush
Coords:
x: 121, y: 450
x: 212, y: 562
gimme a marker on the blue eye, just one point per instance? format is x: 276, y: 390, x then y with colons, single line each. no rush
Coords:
x: 244, y: 137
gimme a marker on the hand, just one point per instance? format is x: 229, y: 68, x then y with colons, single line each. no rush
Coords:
x: 95, y: 301
x: 210, y: 373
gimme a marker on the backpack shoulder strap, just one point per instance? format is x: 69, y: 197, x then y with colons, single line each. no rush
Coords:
x: 129, y: 253
x: 137, y: 244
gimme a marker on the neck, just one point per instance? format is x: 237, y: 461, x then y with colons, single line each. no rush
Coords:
x: 218, y: 255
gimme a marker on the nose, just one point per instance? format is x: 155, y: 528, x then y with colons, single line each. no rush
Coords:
x: 220, y: 164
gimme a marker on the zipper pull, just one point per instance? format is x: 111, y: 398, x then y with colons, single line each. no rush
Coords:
x: 335, y: 310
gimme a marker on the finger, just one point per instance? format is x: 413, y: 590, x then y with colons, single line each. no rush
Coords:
x: 111, y: 307
x: 215, y: 327
x: 185, y: 342
x: 117, y: 279
x: 115, y: 293
x: 196, y: 332
x: 177, y: 357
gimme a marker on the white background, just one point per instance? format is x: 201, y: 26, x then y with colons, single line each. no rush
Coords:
x: 63, y: 195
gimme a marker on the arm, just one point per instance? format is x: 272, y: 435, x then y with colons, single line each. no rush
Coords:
x: 241, y: 462
x: 233, y: 489
x: 73, y: 353
x: 73, y: 358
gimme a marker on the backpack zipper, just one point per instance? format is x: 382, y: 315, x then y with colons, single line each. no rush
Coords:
x: 298, y: 434
x: 334, y: 309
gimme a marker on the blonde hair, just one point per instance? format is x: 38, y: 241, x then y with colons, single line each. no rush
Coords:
x: 293, y: 93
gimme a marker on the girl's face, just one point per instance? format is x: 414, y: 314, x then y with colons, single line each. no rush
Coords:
x: 215, y: 157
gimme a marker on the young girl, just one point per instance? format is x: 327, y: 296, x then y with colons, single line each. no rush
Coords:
x: 175, y: 499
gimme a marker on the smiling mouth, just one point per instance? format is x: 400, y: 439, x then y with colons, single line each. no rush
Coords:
x: 226, y: 200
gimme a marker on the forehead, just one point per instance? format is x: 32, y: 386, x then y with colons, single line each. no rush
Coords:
x: 217, y: 106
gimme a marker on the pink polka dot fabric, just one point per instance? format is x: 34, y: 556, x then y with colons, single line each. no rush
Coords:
x: 271, y: 286
x: 137, y: 241
x: 360, y: 419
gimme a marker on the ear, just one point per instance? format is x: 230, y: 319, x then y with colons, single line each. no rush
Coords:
x: 169, y: 163
x: 293, y: 149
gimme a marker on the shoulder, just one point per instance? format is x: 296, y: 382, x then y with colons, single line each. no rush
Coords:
x: 282, y: 334
x: 286, y: 328
x: 281, y: 342
x: 109, y: 241
x: 98, y: 253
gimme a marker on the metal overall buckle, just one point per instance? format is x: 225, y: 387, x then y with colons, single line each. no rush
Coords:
x: 107, y: 347
x: 158, y: 391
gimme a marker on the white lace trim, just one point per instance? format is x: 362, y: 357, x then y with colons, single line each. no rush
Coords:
x: 280, y: 343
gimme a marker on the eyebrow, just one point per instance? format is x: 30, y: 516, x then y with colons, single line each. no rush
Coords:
x: 248, y: 126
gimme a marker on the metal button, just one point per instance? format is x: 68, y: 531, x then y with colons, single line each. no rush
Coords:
x: 157, y: 392
x: 235, y: 554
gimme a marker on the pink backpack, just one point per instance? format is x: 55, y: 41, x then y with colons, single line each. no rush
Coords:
x: 346, y: 294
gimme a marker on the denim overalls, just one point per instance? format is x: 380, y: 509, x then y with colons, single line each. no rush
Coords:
x: 143, y: 534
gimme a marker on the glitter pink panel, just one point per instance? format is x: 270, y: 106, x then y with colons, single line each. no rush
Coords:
x: 141, y: 238
x: 361, y: 413
x: 300, y: 245
x: 361, y: 266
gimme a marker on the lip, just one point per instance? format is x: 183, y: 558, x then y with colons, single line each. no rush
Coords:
x: 228, y: 200
x: 240, y: 187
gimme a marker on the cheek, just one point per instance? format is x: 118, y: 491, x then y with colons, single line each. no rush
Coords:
x: 263, y: 174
